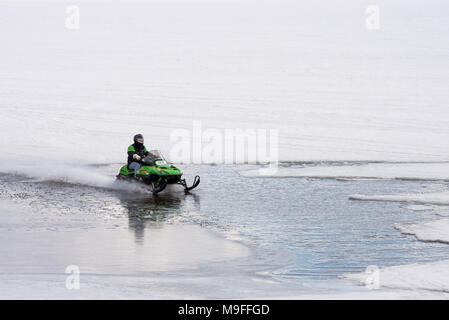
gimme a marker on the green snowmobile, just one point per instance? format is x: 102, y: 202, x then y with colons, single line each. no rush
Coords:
x: 157, y: 172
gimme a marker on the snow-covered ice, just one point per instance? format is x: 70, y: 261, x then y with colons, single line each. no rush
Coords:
x: 405, y: 171
x: 440, y: 198
x: 334, y: 89
x: 436, y: 231
x: 431, y: 277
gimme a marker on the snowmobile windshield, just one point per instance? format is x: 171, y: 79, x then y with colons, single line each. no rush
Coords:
x: 155, y: 157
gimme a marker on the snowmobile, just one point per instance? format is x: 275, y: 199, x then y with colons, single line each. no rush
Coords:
x: 157, y: 173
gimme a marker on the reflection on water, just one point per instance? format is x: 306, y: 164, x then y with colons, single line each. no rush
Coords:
x: 150, y: 211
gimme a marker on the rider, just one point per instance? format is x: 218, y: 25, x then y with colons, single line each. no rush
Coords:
x: 136, y: 152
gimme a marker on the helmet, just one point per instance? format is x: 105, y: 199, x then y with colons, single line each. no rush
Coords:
x: 138, y: 138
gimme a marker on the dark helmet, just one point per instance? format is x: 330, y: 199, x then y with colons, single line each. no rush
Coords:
x: 138, y: 138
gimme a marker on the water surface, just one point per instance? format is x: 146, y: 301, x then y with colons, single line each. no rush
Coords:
x: 297, y: 230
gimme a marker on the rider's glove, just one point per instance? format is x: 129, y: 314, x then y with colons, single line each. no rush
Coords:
x: 136, y: 157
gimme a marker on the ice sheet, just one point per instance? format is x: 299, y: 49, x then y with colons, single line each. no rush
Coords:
x: 430, y: 277
x: 405, y: 171
x: 334, y: 89
x: 440, y: 198
x: 437, y: 231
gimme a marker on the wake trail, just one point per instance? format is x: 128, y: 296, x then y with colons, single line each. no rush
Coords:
x: 69, y: 173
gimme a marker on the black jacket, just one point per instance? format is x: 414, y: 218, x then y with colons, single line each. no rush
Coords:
x: 139, y: 149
